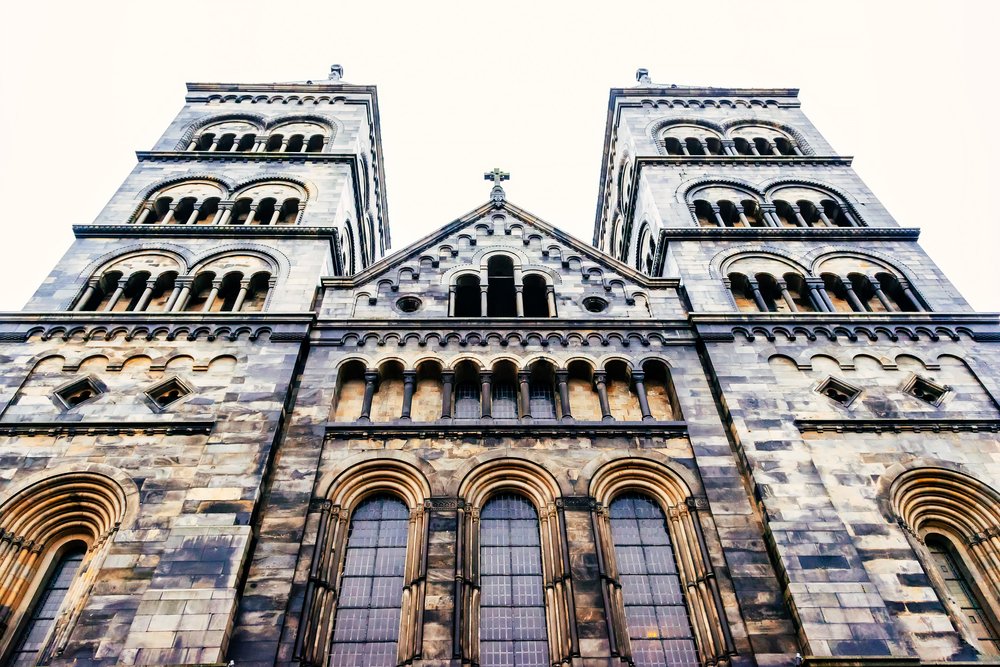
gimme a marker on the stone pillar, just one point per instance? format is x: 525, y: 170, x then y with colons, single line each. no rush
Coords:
x: 191, y: 146
x: 758, y: 298
x: 799, y: 219
x: 817, y: 292
x: 87, y: 293
x: 639, y: 381
x: 880, y: 295
x: 300, y: 212
x: 409, y: 384
x: 823, y: 217
x: 905, y: 286
x: 168, y: 218
x: 451, y: 300
x: 769, y: 214
x: 447, y: 387
x: 486, y: 395
x: 117, y: 294
x: 274, y: 216
x: 216, y: 285
x: 184, y: 285
x: 147, y: 294
x: 852, y: 298
x: 483, y: 300
x: 174, y: 294
x: 143, y: 214
x: 260, y: 143
x: 519, y: 300
x: 524, y: 394
x: 193, y: 218
x: 251, y: 216
x: 717, y: 215
x: 601, y: 384
x: 789, y: 301
x: 562, y: 383
x: 371, y: 382
x: 729, y: 147
x: 241, y: 296
x: 550, y: 299
x: 743, y: 217
x: 222, y: 215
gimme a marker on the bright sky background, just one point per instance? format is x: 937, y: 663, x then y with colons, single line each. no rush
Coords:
x: 909, y: 88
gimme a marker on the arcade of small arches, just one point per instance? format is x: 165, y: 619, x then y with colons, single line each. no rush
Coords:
x: 246, y: 136
x: 540, y: 390
x: 501, y: 288
x: 721, y: 205
x: 745, y: 139
x: 159, y: 283
x: 842, y: 284
x: 205, y: 202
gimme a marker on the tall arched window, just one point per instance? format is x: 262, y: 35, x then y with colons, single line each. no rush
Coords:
x: 366, y: 625
x: 535, y: 294
x: 962, y: 591
x: 659, y: 629
x: 467, y: 390
x: 504, y: 391
x: 468, y: 302
x: 500, y: 293
x: 512, y: 628
x: 50, y: 600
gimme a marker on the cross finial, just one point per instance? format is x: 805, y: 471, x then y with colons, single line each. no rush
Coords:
x: 497, y: 176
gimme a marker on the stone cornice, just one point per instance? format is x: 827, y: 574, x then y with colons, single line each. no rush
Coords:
x: 909, y: 424
x: 68, y: 428
x: 792, y: 233
x: 701, y: 91
x: 744, y: 160
x: 512, y: 429
x: 213, y: 231
x: 202, y: 156
x: 315, y: 87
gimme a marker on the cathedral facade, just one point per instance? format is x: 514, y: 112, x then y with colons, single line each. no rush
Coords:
x: 750, y: 423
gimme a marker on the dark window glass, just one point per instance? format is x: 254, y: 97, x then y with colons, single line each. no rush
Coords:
x: 467, y: 400
x: 542, y: 399
x: 504, y: 400
x: 366, y: 627
x: 658, y: 625
x: 512, y: 631
x: 43, y: 615
x: 961, y: 592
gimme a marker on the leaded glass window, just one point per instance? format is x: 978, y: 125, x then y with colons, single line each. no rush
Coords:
x: 504, y: 400
x: 542, y: 400
x: 366, y: 626
x: 960, y: 590
x: 467, y: 400
x: 512, y: 631
x: 44, y: 613
x: 659, y: 628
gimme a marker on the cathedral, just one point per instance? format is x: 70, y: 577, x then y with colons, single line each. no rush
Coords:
x: 749, y: 423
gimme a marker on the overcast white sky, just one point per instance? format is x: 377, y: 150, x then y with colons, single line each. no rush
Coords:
x: 909, y: 88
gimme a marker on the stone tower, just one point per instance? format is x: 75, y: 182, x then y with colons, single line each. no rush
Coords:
x: 750, y: 421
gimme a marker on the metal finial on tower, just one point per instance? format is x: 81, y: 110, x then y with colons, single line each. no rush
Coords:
x: 336, y: 72
x: 642, y: 76
x: 497, y: 176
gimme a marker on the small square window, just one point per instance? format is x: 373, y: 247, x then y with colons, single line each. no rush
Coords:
x: 78, y: 392
x: 168, y: 392
x: 926, y: 390
x: 837, y: 390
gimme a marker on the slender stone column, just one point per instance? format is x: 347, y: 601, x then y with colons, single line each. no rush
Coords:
x: 193, y: 218
x: 486, y: 395
x: 236, y: 144
x: 371, y: 381
x: 274, y: 216
x: 817, y: 293
x: 524, y: 393
x: 302, y: 210
x: 483, y: 300
x: 795, y: 148
x: 447, y: 387
x: 852, y: 298
x: 87, y: 294
x: 758, y: 298
x: 222, y: 215
x: 821, y: 288
x: 911, y: 296
x: 704, y: 147
x: 452, y: 289
x: 639, y: 381
x: 718, y: 216
x: 770, y: 215
x: 143, y: 214
x: 822, y: 216
x: 880, y: 295
x: 743, y: 217
x: 184, y: 283
x: 786, y: 295
x: 799, y: 219
x: 117, y: 294
x: 409, y: 384
x: 550, y: 299
x: 168, y: 218
x: 147, y: 294
x: 241, y: 296
x: 601, y: 383
x: 259, y: 145
x: 174, y: 294
x: 729, y: 147
x: 210, y: 301
x: 191, y: 146
x: 562, y: 382
x: 215, y: 144
x: 251, y: 216
x: 519, y: 300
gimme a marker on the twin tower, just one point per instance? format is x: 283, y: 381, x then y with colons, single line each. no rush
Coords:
x: 749, y: 424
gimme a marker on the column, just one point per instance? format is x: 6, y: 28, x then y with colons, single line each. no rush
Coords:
x: 236, y: 144
x: 222, y: 215
x: 524, y: 394
x: 409, y: 384
x: 823, y: 217
x: 601, y: 383
x: 880, y: 295
x: 752, y: 147
x: 817, y: 292
x: 193, y: 218
x: 284, y: 146
x: 729, y: 147
x: 743, y: 216
x: 87, y: 293
x: 147, y: 294
x: 143, y: 214
x: 852, y: 298
x: 174, y: 294
x: 447, y: 387
x: 371, y: 381
x: 274, y: 216
x: 550, y: 299
x: 117, y: 294
x: 252, y: 214
x: 451, y: 300
x: 184, y: 283
x: 215, y: 144
x: 562, y: 383
x: 519, y: 300
x: 718, y: 216
x: 704, y: 147
x: 757, y: 296
x: 191, y: 146
x: 799, y: 219
x: 483, y: 300
x: 795, y: 148
x: 168, y: 218
x: 241, y: 296
x: 486, y: 395
x: 302, y: 210
x: 639, y: 382
x: 786, y: 295
x: 911, y: 296
x: 216, y: 285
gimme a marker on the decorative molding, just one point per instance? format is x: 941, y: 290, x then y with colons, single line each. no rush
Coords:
x: 444, y: 503
x: 500, y: 429
x: 60, y: 428
x: 743, y: 160
x: 791, y: 233
x: 914, y: 425
x: 199, y: 231
x: 577, y: 503
x: 223, y: 156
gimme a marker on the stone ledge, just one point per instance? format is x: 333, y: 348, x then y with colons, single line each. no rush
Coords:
x: 897, y: 425
x: 791, y: 233
x: 491, y: 429
x: 738, y: 160
x: 224, y: 231
x: 59, y: 428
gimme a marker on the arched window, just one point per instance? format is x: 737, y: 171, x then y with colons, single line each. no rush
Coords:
x: 512, y: 628
x: 837, y: 293
x: 583, y: 398
x: 729, y: 213
x: 623, y: 400
x: 739, y: 284
x: 787, y: 216
x: 295, y: 144
x: 504, y: 391
x: 535, y: 296
x: 315, y: 144
x: 751, y: 211
x: 771, y: 293
x: 705, y: 214
x: 893, y: 288
x: 674, y: 146
x: 468, y: 300
x: 274, y: 143
x: 366, y: 625
x: 659, y: 628
x: 387, y: 404
x: 645, y: 250
x: 800, y: 293
x: 541, y: 391
x: 500, y: 292
x: 350, y: 392
x: 467, y: 390
x: 46, y: 608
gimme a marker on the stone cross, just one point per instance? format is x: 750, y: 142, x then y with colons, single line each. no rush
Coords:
x: 496, y: 176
